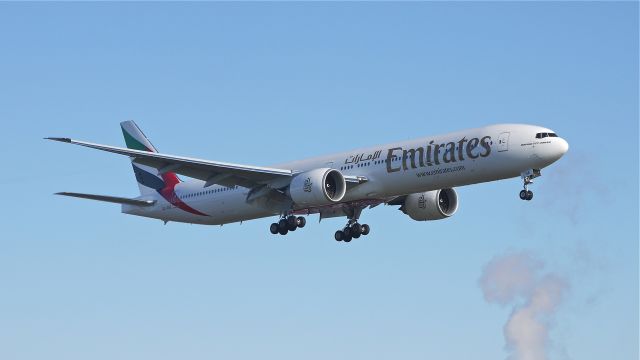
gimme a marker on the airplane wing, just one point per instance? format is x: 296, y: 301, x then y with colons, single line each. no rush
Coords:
x: 211, y: 172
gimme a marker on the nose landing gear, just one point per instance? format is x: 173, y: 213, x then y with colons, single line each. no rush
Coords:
x: 526, y: 194
x: 527, y: 177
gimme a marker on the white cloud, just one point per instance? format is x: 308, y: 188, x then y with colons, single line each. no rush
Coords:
x: 518, y: 280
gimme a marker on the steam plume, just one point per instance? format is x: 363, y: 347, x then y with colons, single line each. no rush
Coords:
x: 518, y: 280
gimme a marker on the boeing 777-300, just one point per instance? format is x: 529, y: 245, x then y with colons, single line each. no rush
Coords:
x: 418, y: 175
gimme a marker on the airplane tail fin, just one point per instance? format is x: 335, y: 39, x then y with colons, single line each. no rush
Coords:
x: 150, y: 180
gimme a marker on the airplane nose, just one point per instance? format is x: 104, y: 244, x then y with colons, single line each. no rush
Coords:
x: 563, y: 146
x: 549, y: 152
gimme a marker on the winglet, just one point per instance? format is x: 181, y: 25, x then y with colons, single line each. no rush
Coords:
x: 61, y: 139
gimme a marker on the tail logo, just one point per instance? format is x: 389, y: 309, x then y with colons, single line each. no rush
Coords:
x: 164, y: 187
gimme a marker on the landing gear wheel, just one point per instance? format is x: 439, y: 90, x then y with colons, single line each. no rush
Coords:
x: 301, y: 222
x: 273, y: 228
x: 292, y: 223
x: 347, y: 234
x: 356, y: 230
x: 283, y: 227
x: 365, y: 229
x: 523, y: 195
x: 529, y: 195
x: 339, y: 235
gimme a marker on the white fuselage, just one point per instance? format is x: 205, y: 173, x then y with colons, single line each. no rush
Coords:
x: 501, y: 151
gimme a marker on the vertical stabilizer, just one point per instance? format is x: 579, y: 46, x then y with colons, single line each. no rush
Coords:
x: 149, y: 179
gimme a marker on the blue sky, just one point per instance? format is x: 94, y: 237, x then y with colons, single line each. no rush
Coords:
x: 261, y: 83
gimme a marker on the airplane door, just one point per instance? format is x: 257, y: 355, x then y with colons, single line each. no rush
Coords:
x: 503, y: 141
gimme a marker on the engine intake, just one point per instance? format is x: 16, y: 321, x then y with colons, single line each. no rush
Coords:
x: 431, y: 205
x: 317, y: 187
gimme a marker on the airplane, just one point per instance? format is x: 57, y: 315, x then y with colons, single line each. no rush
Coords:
x: 418, y: 175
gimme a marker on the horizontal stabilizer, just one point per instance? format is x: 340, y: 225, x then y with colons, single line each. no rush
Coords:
x: 111, y: 199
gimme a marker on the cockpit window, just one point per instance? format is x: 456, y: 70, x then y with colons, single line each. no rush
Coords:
x: 544, y: 135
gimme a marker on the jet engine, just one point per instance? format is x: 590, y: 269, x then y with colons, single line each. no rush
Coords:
x: 317, y: 187
x: 431, y: 205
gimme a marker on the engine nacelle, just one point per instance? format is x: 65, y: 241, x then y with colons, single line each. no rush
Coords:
x: 317, y: 187
x: 431, y: 205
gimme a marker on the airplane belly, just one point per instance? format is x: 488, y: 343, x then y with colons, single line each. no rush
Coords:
x: 233, y: 207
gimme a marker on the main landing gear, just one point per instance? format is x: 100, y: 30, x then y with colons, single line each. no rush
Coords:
x: 528, y: 177
x: 352, y: 230
x: 286, y: 224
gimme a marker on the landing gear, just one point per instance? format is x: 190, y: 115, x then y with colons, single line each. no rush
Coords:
x: 286, y: 224
x: 352, y: 230
x: 527, y: 177
x: 526, y: 194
